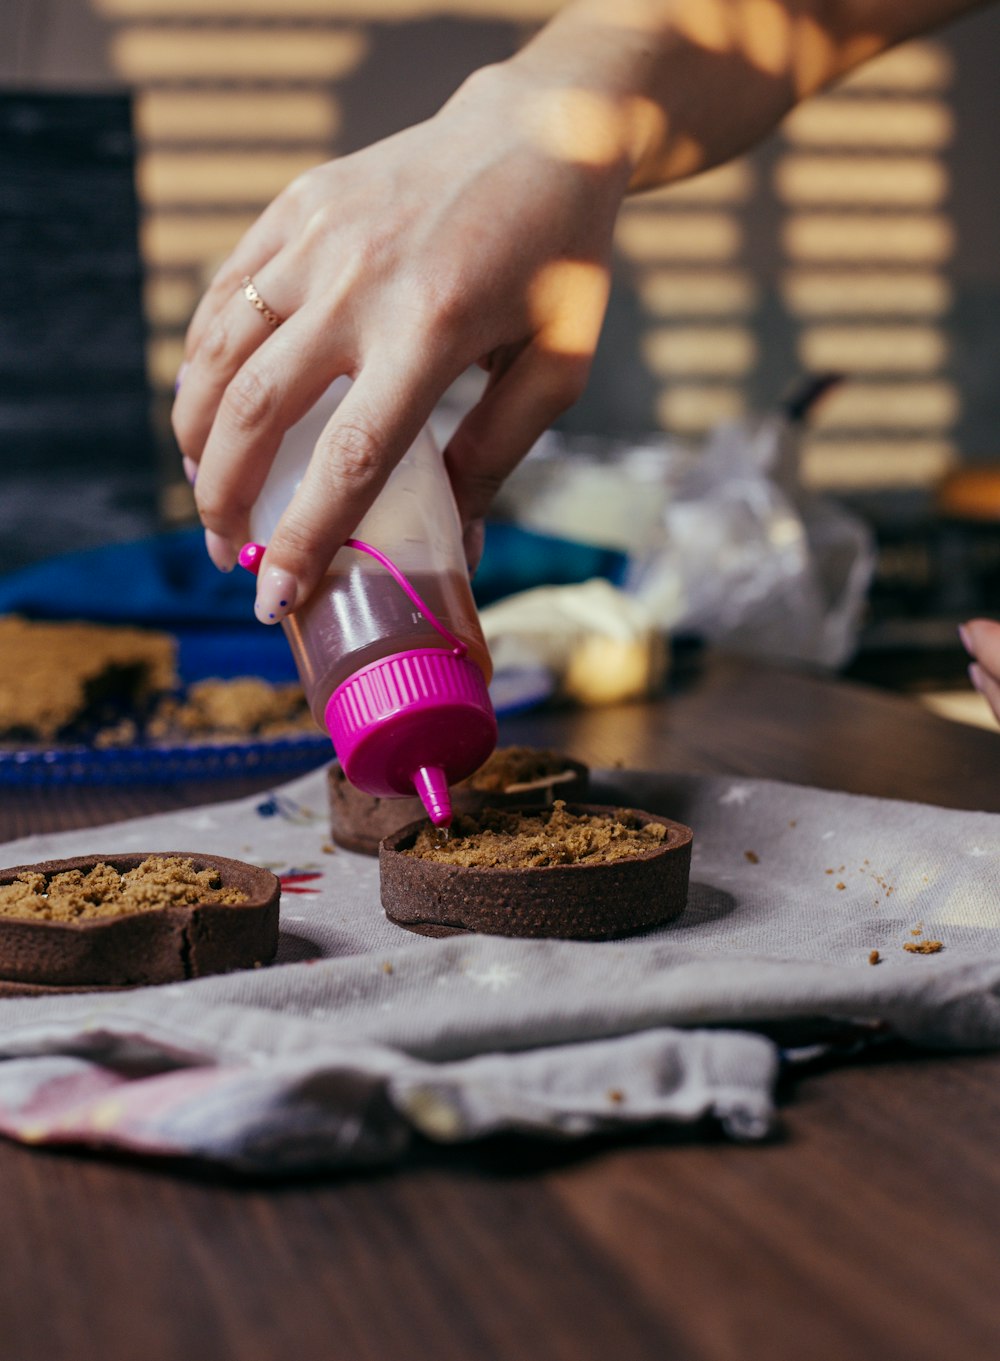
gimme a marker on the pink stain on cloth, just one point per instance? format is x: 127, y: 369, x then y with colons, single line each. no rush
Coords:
x: 65, y: 1100
x: 299, y: 881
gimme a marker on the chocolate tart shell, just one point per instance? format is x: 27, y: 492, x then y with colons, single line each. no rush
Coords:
x: 359, y: 822
x: 163, y: 945
x: 573, y: 902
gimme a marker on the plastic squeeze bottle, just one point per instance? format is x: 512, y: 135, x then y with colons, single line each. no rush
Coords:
x: 389, y: 647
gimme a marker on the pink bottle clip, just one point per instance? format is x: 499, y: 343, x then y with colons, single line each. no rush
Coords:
x: 415, y: 720
x: 251, y: 556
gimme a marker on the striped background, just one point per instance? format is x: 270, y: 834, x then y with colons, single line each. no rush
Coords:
x: 840, y: 244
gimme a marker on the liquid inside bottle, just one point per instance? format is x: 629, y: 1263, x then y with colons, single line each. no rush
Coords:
x: 359, y: 614
x: 401, y: 720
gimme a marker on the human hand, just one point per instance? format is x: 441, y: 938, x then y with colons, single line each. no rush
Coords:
x: 981, y: 639
x: 470, y: 238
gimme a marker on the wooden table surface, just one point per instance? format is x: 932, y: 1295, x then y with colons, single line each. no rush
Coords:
x: 869, y: 1229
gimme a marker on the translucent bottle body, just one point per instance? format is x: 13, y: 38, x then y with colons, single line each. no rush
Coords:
x: 358, y: 613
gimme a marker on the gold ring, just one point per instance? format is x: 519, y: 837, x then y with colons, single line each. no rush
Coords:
x: 255, y: 300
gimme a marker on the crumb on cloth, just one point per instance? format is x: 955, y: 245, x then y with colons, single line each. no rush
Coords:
x: 923, y: 947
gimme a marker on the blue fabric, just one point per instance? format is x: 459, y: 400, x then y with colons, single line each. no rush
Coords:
x: 168, y: 582
x: 162, y: 582
x: 517, y: 559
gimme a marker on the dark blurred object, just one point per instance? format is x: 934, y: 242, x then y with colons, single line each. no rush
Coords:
x: 78, y: 465
x: 807, y: 394
x: 937, y: 566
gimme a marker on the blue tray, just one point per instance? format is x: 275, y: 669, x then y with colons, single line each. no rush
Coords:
x: 167, y: 582
x: 153, y: 765
x: 512, y: 692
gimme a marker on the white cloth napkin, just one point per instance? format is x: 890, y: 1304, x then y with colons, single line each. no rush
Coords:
x: 362, y: 1034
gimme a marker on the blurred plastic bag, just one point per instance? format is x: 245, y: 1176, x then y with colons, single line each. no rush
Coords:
x: 596, y: 491
x: 749, y: 560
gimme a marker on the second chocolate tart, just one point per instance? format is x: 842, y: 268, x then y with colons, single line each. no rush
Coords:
x: 513, y: 776
x: 588, y: 900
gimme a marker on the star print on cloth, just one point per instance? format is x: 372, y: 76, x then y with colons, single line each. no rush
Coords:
x: 496, y: 978
x: 738, y: 794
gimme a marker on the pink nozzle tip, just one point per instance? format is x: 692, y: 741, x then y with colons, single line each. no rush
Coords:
x: 431, y: 784
x: 251, y: 556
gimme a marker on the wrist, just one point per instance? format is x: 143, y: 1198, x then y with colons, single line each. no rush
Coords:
x: 606, y: 59
x: 556, y: 117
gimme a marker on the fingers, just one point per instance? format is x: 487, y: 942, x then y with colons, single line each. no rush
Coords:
x: 368, y: 434
x: 473, y: 544
x: 981, y: 638
x: 279, y: 383
x: 236, y: 332
x: 987, y: 686
x: 511, y: 415
x: 257, y: 246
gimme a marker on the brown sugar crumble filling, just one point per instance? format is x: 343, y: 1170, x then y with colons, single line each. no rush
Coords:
x: 498, y: 839
x: 220, y: 710
x: 78, y: 895
x: 108, y: 685
x: 511, y: 768
x: 55, y: 676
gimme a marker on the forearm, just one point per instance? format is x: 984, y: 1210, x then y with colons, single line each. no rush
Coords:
x: 483, y: 235
x: 687, y: 84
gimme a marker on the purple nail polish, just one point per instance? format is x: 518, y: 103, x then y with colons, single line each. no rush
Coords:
x: 180, y: 378
x: 977, y: 678
x: 190, y: 470
x: 966, y: 637
x: 220, y: 551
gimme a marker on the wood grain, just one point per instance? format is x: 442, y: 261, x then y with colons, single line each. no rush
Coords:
x: 870, y: 1230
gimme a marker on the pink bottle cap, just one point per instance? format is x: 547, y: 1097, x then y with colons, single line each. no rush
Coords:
x: 414, y: 721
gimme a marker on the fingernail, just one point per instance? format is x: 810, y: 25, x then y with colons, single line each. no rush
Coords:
x: 275, y: 595
x: 474, y: 541
x: 977, y: 678
x: 190, y: 470
x: 220, y: 551
x: 250, y: 557
x: 966, y: 637
x: 180, y: 377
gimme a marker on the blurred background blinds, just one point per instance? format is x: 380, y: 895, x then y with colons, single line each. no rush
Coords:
x: 857, y: 239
